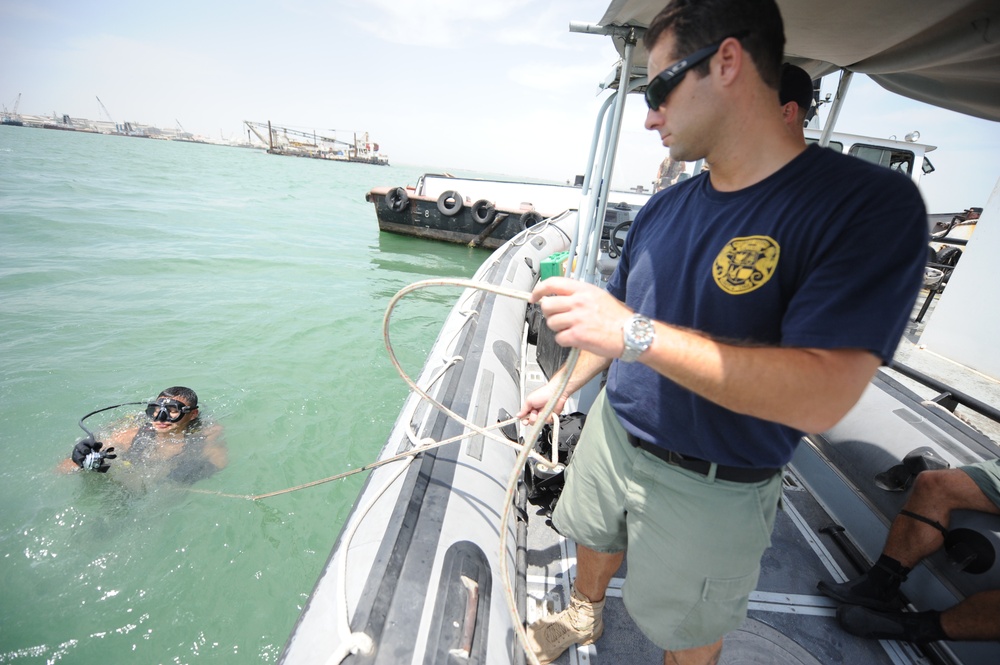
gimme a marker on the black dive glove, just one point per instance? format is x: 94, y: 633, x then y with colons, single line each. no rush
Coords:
x: 87, y: 454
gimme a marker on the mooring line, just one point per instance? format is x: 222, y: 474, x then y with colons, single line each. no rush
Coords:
x: 367, y: 467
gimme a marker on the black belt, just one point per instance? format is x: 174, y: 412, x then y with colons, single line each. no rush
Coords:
x: 736, y: 474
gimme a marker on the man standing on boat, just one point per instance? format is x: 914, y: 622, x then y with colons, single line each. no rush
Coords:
x: 751, y: 304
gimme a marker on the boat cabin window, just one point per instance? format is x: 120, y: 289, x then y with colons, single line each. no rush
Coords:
x: 927, y: 167
x: 895, y: 159
x: 833, y: 145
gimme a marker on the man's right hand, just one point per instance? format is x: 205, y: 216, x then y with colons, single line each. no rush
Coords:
x: 87, y: 454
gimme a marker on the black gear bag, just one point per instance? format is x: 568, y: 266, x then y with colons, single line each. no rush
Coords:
x: 545, y: 485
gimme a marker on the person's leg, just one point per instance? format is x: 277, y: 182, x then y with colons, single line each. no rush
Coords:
x: 916, y: 532
x: 590, y: 510
x: 975, y: 618
x: 594, y: 571
x: 706, y: 655
x: 581, y: 622
x: 935, y: 495
x: 694, y: 551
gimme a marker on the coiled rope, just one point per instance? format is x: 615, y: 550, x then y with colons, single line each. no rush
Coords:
x: 425, y: 444
x: 526, y: 449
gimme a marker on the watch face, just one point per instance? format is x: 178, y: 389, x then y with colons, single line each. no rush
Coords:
x: 638, y: 334
x: 642, y: 331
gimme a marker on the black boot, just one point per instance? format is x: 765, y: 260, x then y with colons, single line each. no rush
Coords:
x: 907, y: 626
x: 877, y: 589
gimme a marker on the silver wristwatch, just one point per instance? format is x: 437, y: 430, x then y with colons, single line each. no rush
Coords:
x: 638, y: 333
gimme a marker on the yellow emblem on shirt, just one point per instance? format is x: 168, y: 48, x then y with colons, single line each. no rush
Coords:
x: 746, y: 264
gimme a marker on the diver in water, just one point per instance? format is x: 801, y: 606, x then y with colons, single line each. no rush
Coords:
x: 172, y: 440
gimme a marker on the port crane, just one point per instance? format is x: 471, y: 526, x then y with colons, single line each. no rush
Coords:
x: 11, y: 117
x: 107, y: 115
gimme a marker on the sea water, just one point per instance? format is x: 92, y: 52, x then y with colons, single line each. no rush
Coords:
x: 130, y: 265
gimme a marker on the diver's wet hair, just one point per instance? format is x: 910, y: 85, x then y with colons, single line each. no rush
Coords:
x: 186, y: 394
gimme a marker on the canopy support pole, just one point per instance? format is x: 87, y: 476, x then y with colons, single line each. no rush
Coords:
x: 612, y: 134
x: 838, y: 102
x: 600, y: 165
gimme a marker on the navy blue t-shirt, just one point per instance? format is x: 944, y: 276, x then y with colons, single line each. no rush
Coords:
x: 827, y: 253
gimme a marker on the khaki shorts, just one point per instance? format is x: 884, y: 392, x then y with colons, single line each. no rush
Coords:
x: 986, y: 475
x: 693, y: 546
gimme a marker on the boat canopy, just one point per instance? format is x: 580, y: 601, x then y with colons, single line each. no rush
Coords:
x: 942, y: 53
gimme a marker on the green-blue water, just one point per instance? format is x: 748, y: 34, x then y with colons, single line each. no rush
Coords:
x: 130, y: 265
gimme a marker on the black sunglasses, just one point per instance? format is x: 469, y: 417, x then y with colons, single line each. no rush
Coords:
x: 660, y: 87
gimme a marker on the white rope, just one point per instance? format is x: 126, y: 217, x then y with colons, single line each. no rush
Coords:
x: 428, y: 445
x: 464, y: 283
x: 526, y: 449
x: 410, y: 433
x: 354, y: 642
x: 515, y: 475
x: 359, y: 642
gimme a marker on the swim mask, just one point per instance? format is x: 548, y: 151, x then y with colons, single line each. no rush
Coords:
x: 165, y: 410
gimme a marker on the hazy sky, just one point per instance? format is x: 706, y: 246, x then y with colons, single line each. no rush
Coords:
x: 487, y: 85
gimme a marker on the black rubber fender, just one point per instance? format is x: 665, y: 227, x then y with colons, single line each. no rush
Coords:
x: 483, y: 212
x: 529, y: 219
x: 397, y: 199
x: 949, y: 256
x: 450, y: 203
